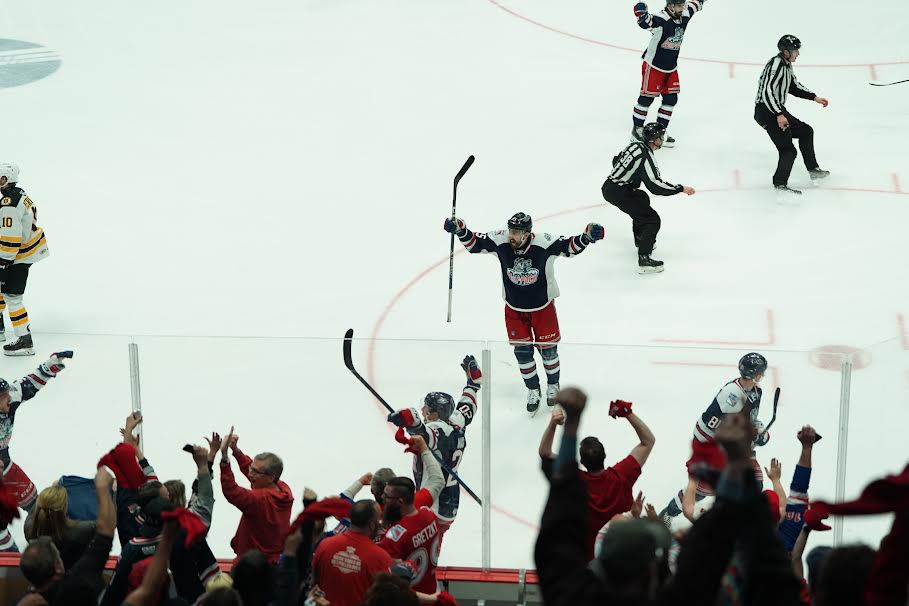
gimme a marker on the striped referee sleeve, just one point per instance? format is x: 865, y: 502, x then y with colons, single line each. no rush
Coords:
x: 773, y: 85
x: 654, y: 183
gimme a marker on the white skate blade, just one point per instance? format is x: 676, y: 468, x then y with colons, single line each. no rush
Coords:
x: 19, y: 352
x: 650, y: 270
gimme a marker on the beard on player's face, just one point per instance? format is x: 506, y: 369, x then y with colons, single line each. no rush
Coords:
x: 392, y: 513
x: 516, y: 238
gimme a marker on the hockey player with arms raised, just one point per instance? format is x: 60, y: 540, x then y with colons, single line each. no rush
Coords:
x: 529, y: 288
x: 659, y: 71
x: 738, y: 395
x: 443, y: 426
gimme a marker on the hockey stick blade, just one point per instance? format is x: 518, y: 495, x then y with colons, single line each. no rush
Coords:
x: 887, y: 83
x: 467, y: 164
x: 348, y: 362
x: 776, y: 402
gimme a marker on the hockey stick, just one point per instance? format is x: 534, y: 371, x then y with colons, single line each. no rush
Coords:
x: 776, y: 402
x: 454, y: 204
x: 348, y: 362
x: 887, y: 83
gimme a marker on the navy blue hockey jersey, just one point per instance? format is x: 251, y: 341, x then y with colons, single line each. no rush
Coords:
x: 662, y: 53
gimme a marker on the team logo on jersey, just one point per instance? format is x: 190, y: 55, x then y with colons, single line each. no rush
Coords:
x: 395, y: 532
x: 24, y: 62
x: 523, y: 273
x: 347, y: 561
x: 674, y: 42
x: 6, y: 201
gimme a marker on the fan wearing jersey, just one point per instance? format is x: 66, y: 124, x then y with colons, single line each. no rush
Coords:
x: 738, y: 395
x: 443, y: 426
x: 659, y: 70
x: 529, y: 288
x: 414, y: 534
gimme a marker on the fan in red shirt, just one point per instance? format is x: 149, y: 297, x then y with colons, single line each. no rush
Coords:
x: 414, y: 534
x: 345, y: 565
x: 609, y: 489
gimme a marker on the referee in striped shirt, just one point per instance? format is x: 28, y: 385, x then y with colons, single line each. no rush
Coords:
x: 777, y: 81
x: 631, y: 167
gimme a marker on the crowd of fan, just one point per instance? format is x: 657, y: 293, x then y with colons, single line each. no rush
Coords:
x: 746, y: 549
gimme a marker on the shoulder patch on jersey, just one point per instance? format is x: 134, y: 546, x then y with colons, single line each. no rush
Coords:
x: 6, y: 201
x: 440, y: 426
x: 732, y: 399
x: 395, y: 533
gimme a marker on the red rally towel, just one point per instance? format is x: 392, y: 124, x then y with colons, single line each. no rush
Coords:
x: 326, y: 508
x: 707, y: 461
x: 9, y: 506
x: 881, y: 496
x: 187, y: 520
x: 122, y: 461
x: 400, y: 438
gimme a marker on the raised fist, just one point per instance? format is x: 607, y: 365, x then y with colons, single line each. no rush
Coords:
x: 455, y: 225
x: 619, y: 408
x: 595, y: 232
x: 807, y: 436
x: 573, y: 401
x: 406, y: 417
x: 54, y: 363
x: 472, y: 370
x: 640, y: 10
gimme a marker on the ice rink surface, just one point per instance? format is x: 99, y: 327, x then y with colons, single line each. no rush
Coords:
x: 235, y: 185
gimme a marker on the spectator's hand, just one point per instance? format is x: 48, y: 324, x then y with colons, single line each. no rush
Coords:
x: 619, y: 408
x: 366, y: 479
x: 572, y: 400
x: 557, y: 418
x: 318, y: 597
x: 807, y: 436
x: 234, y: 440
x: 32, y: 599
x: 129, y: 438
x: 651, y: 512
x: 200, y: 456
x: 472, y: 370
x: 734, y: 435
x: 419, y: 444
x: 132, y: 421
x: 214, y: 445
x: 638, y: 505
x: 775, y: 472
x: 227, y: 440
x: 103, y: 479
x: 292, y: 542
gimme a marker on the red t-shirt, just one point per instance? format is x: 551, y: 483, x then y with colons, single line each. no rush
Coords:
x: 345, y: 565
x: 608, y: 493
x: 418, y: 539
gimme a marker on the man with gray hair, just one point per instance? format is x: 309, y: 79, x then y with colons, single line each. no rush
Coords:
x: 265, y: 506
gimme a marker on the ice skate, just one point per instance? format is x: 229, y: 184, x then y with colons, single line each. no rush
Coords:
x: 22, y: 346
x: 818, y: 173
x: 646, y: 265
x: 785, y: 189
x: 533, y: 400
x: 552, y: 390
x: 668, y: 142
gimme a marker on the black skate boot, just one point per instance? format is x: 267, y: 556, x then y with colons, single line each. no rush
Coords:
x: 533, y: 400
x: 22, y: 346
x: 668, y: 142
x: 785, y: 189
x: 818, y: 173
x: 637, y: 133
x: 646, y: 265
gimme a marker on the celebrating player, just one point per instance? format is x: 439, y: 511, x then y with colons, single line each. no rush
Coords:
x: 738, y: 395
x: 22, y: 243
x: 529, y: 288
x: 622, y: 188
x: 659, y: 72
x: 443, y: 427
x: 777, y: 81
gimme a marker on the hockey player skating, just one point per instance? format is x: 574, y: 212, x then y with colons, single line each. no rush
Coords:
x: 659, y: 71
x: 742, y: 394
x: 631, y: 167
x: 443, y: 426
x: 12, y: 395
x: 777, y: 81
x: 22, y: 244
x: 529, y: 288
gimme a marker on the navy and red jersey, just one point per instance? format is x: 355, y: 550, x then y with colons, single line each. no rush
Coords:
x: 662, y: 53
x: 528, y: 277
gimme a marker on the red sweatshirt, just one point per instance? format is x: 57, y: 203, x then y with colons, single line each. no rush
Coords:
x: 266, y: 512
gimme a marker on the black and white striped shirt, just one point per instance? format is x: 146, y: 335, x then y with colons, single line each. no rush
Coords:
x: 778, y: 80
x: 635, y: 164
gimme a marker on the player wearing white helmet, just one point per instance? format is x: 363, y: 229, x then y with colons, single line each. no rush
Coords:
x: 22, y: 244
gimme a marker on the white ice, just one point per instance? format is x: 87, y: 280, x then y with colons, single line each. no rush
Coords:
x: 262, y: 173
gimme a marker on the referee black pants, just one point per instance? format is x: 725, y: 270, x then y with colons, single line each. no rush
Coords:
x: 782, y: 139
x: 645, y: 222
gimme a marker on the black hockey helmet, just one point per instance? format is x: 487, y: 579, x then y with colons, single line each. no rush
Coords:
x: 677, y: 2
x: 789, y: 43
x: 4, y: 386
x: 751, y: 365
x: 521, y: 221
x: 441, y: 403
x: 652, y: 131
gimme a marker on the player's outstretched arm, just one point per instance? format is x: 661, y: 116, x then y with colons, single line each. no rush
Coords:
x: 32, y: 383
x: 642, y: 14
x: 473, y: 242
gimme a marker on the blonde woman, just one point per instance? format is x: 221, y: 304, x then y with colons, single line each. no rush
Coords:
x: 48, y: 518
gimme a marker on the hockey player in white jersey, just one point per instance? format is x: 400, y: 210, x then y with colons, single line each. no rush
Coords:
x: 738, y: 395
x: 22, y: 244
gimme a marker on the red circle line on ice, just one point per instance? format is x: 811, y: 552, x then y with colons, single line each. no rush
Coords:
x: 730, y: 64
x: 389, y: 307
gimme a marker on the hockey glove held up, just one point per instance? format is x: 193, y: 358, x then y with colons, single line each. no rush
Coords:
x: 595, y: 232
x: 454, y: 226
x: 54, y: 363
x: 640, y: 10
x: 472, y: 370
x: 619, y: 408
x: 406, y: 417
x: 762, y: 436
